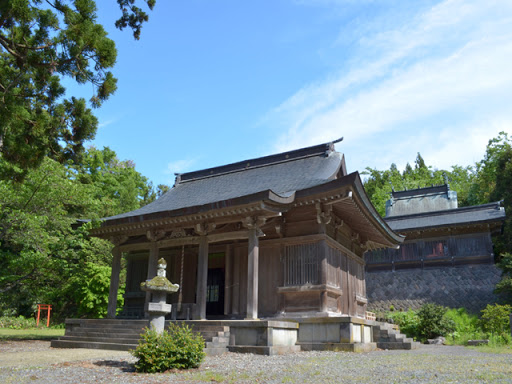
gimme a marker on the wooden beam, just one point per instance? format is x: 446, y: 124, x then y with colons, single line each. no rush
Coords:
x: 228, y: 284
x: 252, y: 275
x: 190, y: 240
x: 202, y: 278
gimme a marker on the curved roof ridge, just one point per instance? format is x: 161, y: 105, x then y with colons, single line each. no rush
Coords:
x: 239, y: 166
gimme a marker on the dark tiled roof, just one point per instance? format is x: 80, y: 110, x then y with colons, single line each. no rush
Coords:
x: 485, y: 213
x: 283, y: 174
x: 435, y: 189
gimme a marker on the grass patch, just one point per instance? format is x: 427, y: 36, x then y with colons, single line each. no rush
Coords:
x: 207, y: 376
x: 30, y: 334
x: 503, y: 349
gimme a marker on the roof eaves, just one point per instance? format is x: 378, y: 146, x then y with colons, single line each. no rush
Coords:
x: 264, y: 196
x: 353, y: 179
x: 446, y: 212
x: 448, y: 225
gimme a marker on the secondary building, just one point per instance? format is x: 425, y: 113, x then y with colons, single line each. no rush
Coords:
x: 447, y: 256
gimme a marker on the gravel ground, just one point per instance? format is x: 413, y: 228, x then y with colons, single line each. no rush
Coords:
x: 36, y: 362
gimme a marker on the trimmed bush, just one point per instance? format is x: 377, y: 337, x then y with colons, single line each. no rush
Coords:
x: 433, y: 322
x: 176, y: 348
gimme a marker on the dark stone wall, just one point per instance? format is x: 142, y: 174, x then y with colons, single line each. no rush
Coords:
x: 468, y: 286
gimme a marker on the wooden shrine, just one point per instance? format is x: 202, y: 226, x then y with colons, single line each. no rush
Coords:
x: 281, y: 236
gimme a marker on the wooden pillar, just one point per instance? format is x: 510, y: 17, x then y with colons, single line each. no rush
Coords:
x: 235, y: 300
x: 152, y: 267
x: 253, y: 224
x: 202, y: 278
x: 228, y: 284
x: 114, y: 283
x: 252, y: 275
x: 323, y: 275
x: 323, y: 217
x: 345, y: 276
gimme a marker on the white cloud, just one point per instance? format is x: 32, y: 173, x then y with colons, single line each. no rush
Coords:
x: 439, y: 85
x: 181, y: 166
x: 106, y: 123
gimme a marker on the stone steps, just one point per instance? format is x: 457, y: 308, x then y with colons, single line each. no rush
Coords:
x: 124, y: 335
x: 215, y: 334
x: 97, y: 339
x: 92, y: 345
x: 387, y: 337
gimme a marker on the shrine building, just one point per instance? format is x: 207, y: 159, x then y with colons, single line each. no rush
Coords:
x: 267, y: 253
x: 280, y: 236
x: 447, y: 256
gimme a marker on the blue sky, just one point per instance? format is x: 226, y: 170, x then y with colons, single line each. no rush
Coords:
x: 213, y: 82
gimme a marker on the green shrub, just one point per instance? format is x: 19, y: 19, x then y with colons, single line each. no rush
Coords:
x: 499, y: 340
x: 407, y: 321
x: 464, y: 322
x: 17, y: 322
x: 467, y: 327
x: 496, y: 319
x: 176, y: 348
x: 433, y: 322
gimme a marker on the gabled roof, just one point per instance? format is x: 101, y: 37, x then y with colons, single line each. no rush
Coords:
x: 269, y: 185
x: 478, y: 214
x: 427, y: 199
x: 276, y: 177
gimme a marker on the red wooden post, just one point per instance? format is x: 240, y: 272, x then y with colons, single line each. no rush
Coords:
x: 48, y: 321
x: 38, y: 313
x: 46, y: 307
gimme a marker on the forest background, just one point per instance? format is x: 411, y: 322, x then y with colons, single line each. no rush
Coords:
x: 45, y: 257
x: 50, y: 182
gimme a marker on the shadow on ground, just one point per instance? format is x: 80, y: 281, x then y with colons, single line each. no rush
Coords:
x: 125, y: 366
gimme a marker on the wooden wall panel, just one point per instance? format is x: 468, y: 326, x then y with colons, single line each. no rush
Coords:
x: 269, y: 279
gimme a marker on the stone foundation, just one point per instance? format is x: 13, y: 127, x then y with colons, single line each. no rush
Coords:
x: 468, y: 286
x: 335, y: 334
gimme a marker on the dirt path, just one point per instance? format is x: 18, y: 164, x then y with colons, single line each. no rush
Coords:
x: 36, y: 353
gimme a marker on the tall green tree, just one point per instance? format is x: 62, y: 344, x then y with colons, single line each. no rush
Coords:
x: 494, y: 182
x: 379, y: 184
x: 115, y: 185
x: 41, y: 42
x: 44, y: 256
x: 39, y: 249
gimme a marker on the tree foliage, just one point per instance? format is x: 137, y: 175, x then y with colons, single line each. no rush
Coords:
x: 115, y: 186
x: 379, y: 184
x: 43, y: 256
x: 40, y: 44
x: 89, y: 288
x: 495, y: 183
x: 496, y: 319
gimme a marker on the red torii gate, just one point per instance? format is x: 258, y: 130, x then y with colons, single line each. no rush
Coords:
x: 43, y: 307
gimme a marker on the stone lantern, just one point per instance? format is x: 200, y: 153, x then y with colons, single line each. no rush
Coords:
x: 159, y: 287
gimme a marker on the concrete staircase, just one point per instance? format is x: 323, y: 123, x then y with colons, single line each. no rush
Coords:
x: 215, y: 335
x: 120, y: 335
x: 387, y: 337
x: 123, y: 335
